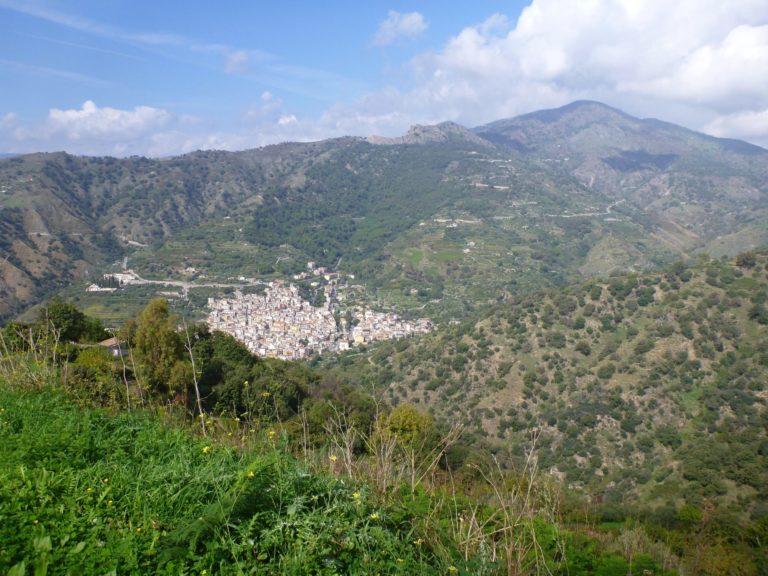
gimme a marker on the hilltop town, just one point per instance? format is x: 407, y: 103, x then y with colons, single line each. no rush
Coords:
x: 281, y: 324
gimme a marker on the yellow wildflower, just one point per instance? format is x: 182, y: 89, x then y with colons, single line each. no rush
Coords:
x: 375, y: 516
x: 250, y: 474
x: 418, y: 542
x: 333, y: 457
x: 206, y: 449
x: 356, y: 495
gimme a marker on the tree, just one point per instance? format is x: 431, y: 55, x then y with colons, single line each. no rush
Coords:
x: 746, y: 260
x: 759, y: 313
x: 63, y: 317
x: 409, y: 425
x: 157, y: 345
x: 413, y: 436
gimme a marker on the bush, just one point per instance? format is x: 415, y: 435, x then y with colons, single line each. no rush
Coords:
x: 643, y: 346
x: 606, y: 371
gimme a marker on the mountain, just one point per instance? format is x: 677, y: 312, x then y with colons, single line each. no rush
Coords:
x: 642, y: 388
x: 440, y: 222
x: 695, y: 191
x: 443, y: 132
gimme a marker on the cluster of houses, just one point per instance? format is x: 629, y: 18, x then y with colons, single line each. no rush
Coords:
x: 374, y: 326
x: 278, y: 323
x: 281, y: 324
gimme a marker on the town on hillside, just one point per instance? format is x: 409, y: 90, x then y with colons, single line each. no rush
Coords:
x: 281, y: 324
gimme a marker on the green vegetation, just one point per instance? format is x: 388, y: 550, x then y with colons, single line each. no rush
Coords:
x: 646, y: 391
x: 643, y: 393
x: 287, y: 472
x: 443, y: 221
x: 90, y: 492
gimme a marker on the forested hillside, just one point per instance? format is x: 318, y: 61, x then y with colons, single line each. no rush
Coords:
x: 647, y: 391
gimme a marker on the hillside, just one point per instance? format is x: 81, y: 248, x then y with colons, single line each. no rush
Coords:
x: 644, y: 388
x: 440, y: 222
x: 85, y: 492
x: 112, y: 465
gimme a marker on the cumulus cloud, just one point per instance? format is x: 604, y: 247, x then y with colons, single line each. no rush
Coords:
x: 92, y: 122
x: 726, y: 73
x: 700, y: 63
x: 399, y: 26
x: 559, y: 51
x: 287, y: 120
x: 89, y: 129
x: 687, y: 62
x: 268, y: 108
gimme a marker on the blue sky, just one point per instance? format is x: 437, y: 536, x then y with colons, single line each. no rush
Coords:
x: 159, y: 78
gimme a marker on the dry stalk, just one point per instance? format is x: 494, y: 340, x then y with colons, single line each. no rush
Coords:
x: 344, y: 435
x: 509, y: 531
x: 188, y: 346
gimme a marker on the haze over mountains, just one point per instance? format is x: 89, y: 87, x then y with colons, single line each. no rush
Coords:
x: 444, y: 218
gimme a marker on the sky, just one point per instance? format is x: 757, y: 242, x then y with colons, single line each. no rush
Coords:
x: 161, y: 78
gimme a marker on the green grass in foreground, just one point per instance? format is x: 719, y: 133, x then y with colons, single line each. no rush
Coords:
x: 83, y: 491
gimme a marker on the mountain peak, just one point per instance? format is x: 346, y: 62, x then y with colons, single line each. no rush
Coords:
x: 589, y: 126
x: 426, y: 134
x: 578, y: 112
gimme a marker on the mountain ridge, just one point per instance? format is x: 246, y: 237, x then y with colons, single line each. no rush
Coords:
x: 545, y: 197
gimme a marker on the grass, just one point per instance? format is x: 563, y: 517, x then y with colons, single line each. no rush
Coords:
x: 415, y: 257
x: 86, y: 491
x: 83, y: 491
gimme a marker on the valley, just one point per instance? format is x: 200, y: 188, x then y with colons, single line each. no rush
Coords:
x: 574, y: 291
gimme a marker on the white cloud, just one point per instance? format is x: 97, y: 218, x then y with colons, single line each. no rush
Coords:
x: 700, y: 63
x: 398, y: 26
x: 726, y: 73
x: 267, y: 109
x: 90, y: 130
x: 7, y: 120
x: 688, y: 62
x: 91, y: 122
x: 750, y: 125
x: 287, y: 120
x: 237, y: 62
